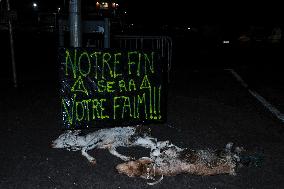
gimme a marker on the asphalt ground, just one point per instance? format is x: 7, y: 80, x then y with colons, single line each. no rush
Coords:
x: 207, y: 108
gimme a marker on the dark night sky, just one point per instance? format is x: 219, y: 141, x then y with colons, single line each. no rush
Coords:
x: 158, y: 11
x: 207, y: 12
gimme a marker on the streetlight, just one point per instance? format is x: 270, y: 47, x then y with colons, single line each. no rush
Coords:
x: 106, y: 8
x: 34, y: 5
x: 106, y: 5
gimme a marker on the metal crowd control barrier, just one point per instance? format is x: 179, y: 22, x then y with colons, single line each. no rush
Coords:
x: 162, y: 44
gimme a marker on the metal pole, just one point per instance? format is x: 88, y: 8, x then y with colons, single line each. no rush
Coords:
x: 61, y: 32
x: 75, y: 23
x: 12, y: 45
x: 107, y: 33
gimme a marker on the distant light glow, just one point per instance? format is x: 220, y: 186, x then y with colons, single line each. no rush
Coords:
x: 125, y: 12
x: 188, y: 28
x: 104, y: 5
x: 58, y: 9
x: 34, y: 5
x: 226, y: 42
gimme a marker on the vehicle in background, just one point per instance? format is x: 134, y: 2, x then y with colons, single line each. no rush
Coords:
x: 259, y: 36
x: 276, y: 36
x: 244, y: 40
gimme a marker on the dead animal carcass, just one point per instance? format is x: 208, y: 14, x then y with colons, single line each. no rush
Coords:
x: 106, y: 139
x: 169, y: 160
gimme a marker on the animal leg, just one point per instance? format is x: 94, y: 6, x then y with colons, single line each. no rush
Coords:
x: 90, y: 158
x: 115, y: 153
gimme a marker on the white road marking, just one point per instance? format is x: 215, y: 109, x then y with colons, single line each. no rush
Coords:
x: 262, y: 100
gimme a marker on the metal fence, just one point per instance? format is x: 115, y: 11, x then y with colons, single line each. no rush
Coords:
x: 162, y: 44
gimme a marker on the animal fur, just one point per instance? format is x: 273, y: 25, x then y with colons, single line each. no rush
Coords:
x: 106, y: 139
x: 169, y: 160
x: 165, y: 159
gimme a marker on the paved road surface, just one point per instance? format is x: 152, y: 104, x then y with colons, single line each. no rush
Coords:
x: 206, y: 109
